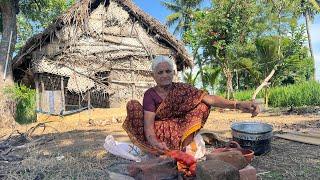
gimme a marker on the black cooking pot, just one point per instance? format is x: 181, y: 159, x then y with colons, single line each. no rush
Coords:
x: 255, y: 136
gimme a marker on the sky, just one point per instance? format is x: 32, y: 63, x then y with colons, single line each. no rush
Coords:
x: 155, y: 9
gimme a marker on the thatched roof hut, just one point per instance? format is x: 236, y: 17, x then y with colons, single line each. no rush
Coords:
x: 96, y: 54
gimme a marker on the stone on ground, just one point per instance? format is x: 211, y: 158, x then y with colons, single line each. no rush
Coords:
x: 154, y: 169
x: 234, y: 158
x: 216, y: 170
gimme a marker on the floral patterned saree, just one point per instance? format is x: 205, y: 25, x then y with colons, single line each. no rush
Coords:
x: 179, y: 115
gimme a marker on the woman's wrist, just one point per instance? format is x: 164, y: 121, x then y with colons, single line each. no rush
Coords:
x: 235, y: 104
x: 152, y: 139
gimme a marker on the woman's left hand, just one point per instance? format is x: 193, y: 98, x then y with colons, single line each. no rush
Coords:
x: 249, y: 107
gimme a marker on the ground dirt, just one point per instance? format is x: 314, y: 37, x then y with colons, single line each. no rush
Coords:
x: 77, y: 152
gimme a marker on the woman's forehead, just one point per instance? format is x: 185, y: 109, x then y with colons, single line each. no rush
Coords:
x: 163, y: 65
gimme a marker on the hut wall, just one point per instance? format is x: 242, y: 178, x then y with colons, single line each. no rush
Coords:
x: 51, y: 102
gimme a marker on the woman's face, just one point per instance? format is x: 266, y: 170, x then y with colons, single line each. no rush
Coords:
x: 163, y: 74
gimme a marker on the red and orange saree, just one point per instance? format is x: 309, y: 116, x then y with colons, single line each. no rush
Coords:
x: 179, y: 115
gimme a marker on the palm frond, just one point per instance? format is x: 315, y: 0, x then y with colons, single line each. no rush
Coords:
x: 315, y: 4
x: 178, y: 28
x: 173, y: 19
x: 175, y: 7
x: 190, y: 78
x: 210, y: 76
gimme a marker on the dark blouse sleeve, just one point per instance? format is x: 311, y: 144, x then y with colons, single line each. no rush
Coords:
x: 149, y: 103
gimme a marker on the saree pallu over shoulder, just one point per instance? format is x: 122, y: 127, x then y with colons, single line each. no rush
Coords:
x: 179, y: 115
x: 180, y: 100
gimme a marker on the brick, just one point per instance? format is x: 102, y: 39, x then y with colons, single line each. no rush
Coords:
x: 216, y: 170
x: 248, y: 173
x: 154, y: 169
x: 234, y: 158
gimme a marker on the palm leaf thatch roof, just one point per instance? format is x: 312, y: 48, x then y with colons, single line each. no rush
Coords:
x: 78, y: 14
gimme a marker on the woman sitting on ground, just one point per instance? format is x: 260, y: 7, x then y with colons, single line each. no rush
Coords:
x: 172, y: 113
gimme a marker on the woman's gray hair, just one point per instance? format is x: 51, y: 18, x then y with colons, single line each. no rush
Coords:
x: 160, y: 59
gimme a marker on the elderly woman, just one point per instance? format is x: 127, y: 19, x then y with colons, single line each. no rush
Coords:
x: 172, y: 113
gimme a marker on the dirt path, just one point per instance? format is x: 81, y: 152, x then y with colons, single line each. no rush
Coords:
x: 77, y: 151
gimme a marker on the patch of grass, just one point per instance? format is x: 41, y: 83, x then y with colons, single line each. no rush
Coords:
x: 297, y: 95
x: 246, y: 95
x: 272, y: 175
x: 304, y: 94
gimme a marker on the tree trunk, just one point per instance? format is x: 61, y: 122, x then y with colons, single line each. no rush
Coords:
x: 266, y: 97
x: 238, y: 80
x: 8, y: 10
x: 204, y: 83
x: 265, y: 82
x: 199, y: 62
x: 307, y: 19
x: 228, y: 74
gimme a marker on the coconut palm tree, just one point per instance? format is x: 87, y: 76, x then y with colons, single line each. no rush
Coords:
x: 181, y: 16
x: 309, y: 9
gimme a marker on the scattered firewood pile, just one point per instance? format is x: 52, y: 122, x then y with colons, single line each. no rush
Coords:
x: 19, y: 141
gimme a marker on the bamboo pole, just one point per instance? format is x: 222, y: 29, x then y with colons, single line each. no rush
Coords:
x: 132, y: 82
x: 131, y: 69
x: 79, y: 102
x: 89, y: 105
x: 42, y: 94
x: 37, y: 92
x: 62, y: 95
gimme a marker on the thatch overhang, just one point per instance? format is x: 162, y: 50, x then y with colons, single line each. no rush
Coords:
x: 77, y: 15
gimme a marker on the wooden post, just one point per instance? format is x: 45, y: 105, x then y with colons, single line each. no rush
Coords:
x: 89, y: 104
x: 42, y: 93
x: 133, y: 85
x: 63, y: 107
x: 37, y: 92
x: 79, y: 104
x: 132, y: 27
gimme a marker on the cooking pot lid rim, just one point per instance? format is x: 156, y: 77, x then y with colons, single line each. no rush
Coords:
x: 237, y: 124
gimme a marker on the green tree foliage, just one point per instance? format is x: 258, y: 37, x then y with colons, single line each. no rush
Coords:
x: 34, y: 17
x: 308, y: 8
x: 252, y: 38
x: 211, y: 77
x: 224, y: 30
x: 190, y: 78
x: 295, y: 65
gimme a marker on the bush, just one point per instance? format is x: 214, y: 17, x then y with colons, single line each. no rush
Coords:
x: 304, y: 94
x: 26, y: 103
x: 246, y: 95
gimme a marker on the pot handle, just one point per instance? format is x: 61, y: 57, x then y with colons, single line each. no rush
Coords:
x: 233, y: 144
